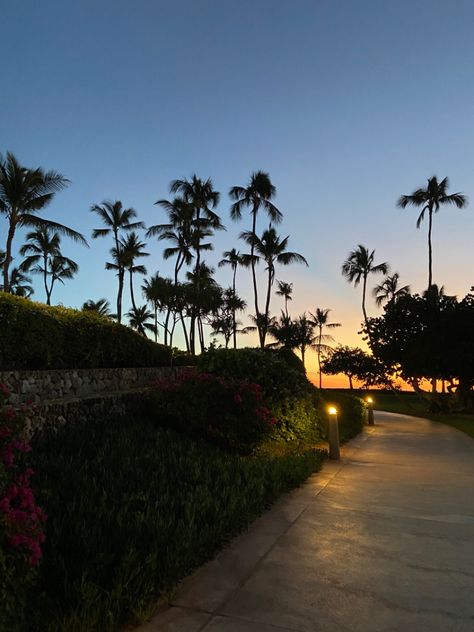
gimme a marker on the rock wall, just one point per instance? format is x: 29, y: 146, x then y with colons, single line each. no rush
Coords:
x: 46, y: 386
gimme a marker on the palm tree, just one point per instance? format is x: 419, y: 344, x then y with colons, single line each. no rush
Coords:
x: 283, y: 330
x: 60, y: 269
x: 154, y: 290
x: 132, y: 249
x: 42, y: 248
x: 431, y: 199
x: 272, y: 249
x: 100, y: 307
x: 389, y: 290
x: 19, y: 283
x: 320, y: 321
x: 138, y: 318
x: 116, y: 220
x: 25, y: 192
x: 233, y: 259
x: 304, y: 335
x: 258, y: 194
x: 285, y: 290
x: 357, y: 267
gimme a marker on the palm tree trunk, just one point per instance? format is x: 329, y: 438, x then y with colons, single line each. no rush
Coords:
x: 156, y: 323
x: 132, y: 296
x: 234, y: 322
x: 49, y: 293
x: 8, y: 256
x: 254, y: 277
x: 121, y: 273
x: 185, y: 332
x: 167, y: 320
x: 430, y: 250
x: 319, y: 356
x: 267, y: 304
x: 303, y: 352
x: 286, y: 306
x: 45, y: 277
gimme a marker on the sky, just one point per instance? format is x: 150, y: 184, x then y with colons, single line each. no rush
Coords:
x: 346, y: 104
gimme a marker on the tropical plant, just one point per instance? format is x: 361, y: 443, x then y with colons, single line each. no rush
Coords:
x: 355, y: 363
x: 257, y: 195
x: 304, y: 335
x: 19, y: 283
x: 100, y: 307
x: 322, y: 342
x: 223, y: 319
x: 25, y: 192
x: 155, y: 291
x: 43, y: 256
x: 117, y: 220
x: 131, y: 249
x: 357, y: 267
x: 272, y: 250
x: 233, y: 259
x: 139, y: 318
x: 430, y: 200
x: 389, y: 290
x: 285, y: 290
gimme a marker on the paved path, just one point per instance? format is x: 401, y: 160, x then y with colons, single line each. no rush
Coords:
x: 383, y: 540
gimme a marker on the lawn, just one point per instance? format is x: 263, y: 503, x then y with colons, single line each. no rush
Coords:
x: 412, y: 404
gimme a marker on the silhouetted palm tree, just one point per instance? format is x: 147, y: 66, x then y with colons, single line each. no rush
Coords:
x: 430, y: 200
x: 285, y: 290
x: 389, y: 290
x: 272, y: 249
x: 155, y: 291
x: 132, y: 249
x: 304, y: 335
x: 233, y: 259
x: 357, y: 267
x: 25, y: 192
x: 258, y: 194
x: 20, y: 283
x: 116, y: 220
x: 40, y: 251
x: 320, y: 321
x: 101, y: 307
x: 138, y: 318
x: 283, y: 330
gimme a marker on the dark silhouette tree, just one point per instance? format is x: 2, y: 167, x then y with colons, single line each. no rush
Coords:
x: 323, y: 341
x: 285, y: 290
x: 139, y: 318
x: 100, y: 307
x: 389, y: 290
x: 430, y: 199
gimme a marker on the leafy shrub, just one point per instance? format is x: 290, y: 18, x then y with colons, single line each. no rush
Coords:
x: 132, y: 509
x: 41, y: 337
x: 351, y: 412
x: 229, y: 413
x: 292, y: 399
x: 21, y: 520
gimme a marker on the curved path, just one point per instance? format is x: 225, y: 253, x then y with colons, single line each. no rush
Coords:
x: 383, y: 540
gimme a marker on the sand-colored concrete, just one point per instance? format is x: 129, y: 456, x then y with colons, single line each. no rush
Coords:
x: 383, y: 540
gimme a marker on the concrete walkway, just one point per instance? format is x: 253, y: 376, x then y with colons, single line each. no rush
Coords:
x: 383, y: 540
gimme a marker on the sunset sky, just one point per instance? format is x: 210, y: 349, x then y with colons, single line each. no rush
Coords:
x: 346, y: 104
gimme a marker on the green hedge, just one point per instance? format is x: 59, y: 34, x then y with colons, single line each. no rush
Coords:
x: 132, y: 509
x: 352, y: 412
x: 36, y: 336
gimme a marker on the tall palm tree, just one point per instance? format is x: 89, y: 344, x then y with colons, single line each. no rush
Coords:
x: 283, y: 330
x: 320, y: 321
x: 285, y: 290
x: 389, y: 290
x: 138, y: 318
x: 357, y: 267
x: 155, y: 290
x: 272, y: 250
x: 233, y: 259
x: 116, y: 220
x: 43, y: 255
x: 430, y: 199
x: 132, y: 249
x: 25, y: 192
x: 100, y: 307
x: 258, y: 194
x: 304, y: 335
x: 20, y: 283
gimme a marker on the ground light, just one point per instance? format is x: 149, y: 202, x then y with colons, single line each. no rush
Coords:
x: 370, y: 411
x: 334, y: 452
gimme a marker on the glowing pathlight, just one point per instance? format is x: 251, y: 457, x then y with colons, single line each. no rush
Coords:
x: 369, y: 400
x: 332, y: 410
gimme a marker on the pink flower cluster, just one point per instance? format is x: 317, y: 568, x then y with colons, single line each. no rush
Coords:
x: 21, y: 520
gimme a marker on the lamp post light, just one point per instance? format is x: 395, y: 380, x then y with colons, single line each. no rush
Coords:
x: 334, y: 452
x: 370, y: 411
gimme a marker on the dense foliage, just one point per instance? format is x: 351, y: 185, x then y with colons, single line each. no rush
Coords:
x: 40, y: 337
x: 351, y: 412
x: 21, y: 520
x: 229, y: 413
x: 291, y: 398
x: 354, y: 362
x: 130, y: 513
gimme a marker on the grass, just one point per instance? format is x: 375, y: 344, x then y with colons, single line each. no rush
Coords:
x: 412, y: 404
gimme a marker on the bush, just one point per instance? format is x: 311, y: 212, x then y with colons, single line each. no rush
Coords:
x: 228, y: 413
x: 21, y: 520
x: 134, y: 508
x: 292, y: 399
x: 37, y: 336
x: 352, y: 412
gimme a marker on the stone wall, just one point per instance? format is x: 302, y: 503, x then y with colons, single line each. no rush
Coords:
x: 43, y: 386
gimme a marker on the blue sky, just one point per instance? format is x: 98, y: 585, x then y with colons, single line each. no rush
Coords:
x: 347, y: 105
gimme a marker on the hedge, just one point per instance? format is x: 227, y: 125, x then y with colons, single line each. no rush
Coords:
x: 132, y: 509
x: 36, y: 336
x: 351, y: 412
